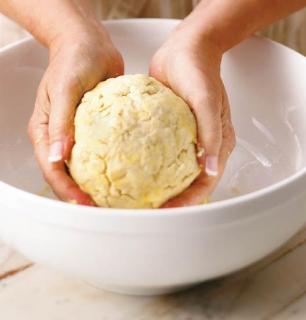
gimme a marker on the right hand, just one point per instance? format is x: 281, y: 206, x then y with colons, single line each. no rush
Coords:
x: 186, y: 53
x: 76, y: 64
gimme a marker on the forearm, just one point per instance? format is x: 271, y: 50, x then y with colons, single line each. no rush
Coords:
x: 227, y: 22
x: 49, y: 19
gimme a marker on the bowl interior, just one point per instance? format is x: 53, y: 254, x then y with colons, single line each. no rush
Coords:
x: 265, y: 83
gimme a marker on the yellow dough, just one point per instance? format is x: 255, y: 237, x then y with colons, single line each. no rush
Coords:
x: 135, y: 143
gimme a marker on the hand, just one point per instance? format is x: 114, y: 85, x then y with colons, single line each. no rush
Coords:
x: 77, y: 63
x: 191, y: 67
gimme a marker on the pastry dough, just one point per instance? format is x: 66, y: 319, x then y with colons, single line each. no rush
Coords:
x: 135, y: 143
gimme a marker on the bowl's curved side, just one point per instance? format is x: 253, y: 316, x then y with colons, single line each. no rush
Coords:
x: 152, y: 262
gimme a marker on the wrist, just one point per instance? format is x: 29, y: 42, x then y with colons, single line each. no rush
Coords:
x: 218, y: 34
x: 79, y: 33
x: 200, y: 34
x: 49, y: 25
x: 187, y: 38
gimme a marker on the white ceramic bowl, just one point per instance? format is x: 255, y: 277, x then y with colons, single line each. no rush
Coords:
x: 158, y: 251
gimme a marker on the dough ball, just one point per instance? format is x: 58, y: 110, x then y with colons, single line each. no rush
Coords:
x: 135, y: 143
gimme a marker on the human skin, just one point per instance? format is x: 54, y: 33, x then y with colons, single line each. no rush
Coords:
x: 81, y: 54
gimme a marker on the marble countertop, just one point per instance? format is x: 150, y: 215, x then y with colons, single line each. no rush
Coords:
x: 272, y: 289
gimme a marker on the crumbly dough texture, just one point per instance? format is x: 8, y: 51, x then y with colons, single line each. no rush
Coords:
x: 135, y: 143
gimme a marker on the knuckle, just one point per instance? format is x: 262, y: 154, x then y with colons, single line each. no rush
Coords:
x: 212, y: 144
x: 55, y: 133
x: 41, y: 110
x: 36, y: 128
x: 59, y: 130
x: 59, y: 133
x: 60, y: 125
x: 209, y: 115
x: 213, y: 130
x: 208, y: 99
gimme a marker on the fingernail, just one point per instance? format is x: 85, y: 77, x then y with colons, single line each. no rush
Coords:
x: 211, y: 165
x: 56, y: 152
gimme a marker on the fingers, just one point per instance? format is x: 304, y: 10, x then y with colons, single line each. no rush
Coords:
x: 65, y: 91
x: 203, y: 186
x: 197, y: 193
x: 205, y: 101
x: 64, y: 98
x: 56, y: 176
x: 74, y: 68
x: 201, y: 189
x: 204, y: 97
x: 54, y: 173
x: 228, y: 132
x: 203, y: 93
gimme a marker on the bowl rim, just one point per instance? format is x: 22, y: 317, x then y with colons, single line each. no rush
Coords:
x: 161, y: 212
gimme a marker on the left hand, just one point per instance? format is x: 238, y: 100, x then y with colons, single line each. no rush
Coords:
x: 78, y: 61
x: 191, y: 68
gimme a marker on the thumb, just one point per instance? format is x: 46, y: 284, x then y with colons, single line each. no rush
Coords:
x: 61, y: 123
x: 204, y: 96
x: 207, y: 106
